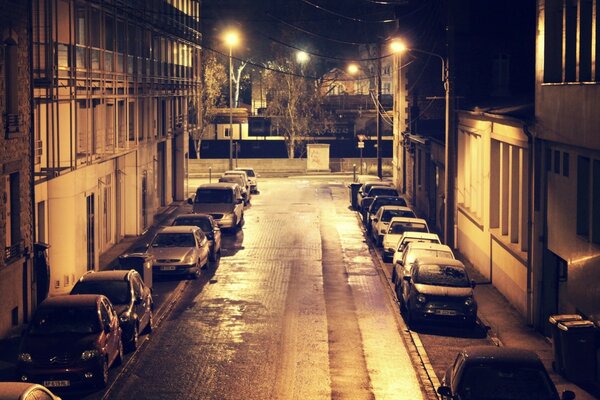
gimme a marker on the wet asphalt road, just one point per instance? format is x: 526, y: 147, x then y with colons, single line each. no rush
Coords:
x: 295, y: 309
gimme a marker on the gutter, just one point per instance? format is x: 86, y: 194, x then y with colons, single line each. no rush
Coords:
x: 530, y: 220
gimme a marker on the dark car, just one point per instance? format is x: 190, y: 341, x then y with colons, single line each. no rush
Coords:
x: 498, y: 373
x: 377, y: 203
x: 366, y: 188
x: 71, y: 342
x: 131, y: 299
x: 437, y: 288
x: 210, y: 228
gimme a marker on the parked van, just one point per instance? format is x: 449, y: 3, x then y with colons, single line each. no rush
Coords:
x: 223, y: 201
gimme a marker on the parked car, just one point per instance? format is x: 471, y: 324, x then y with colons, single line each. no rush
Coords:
x: 379, y: 201
x: 209, y: 227
x: 223, y: 201
x: 437, y: 288
x: 71, y: 342
x: 415, y: 250
x: 491, y: 372
x: 366, y: 188
x: 252, y: 178
x: 240, y: 181
x: 243, y: 174
x: 397, y: 227
x: 131, y: 299
x: 409, y: 237
x: 179, y: 250
x: 363, y: 208
x: 381, y: 220
x: 25, y: 391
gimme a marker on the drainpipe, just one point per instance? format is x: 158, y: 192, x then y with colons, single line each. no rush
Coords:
x: 29, y: 9
x: 530, y: 220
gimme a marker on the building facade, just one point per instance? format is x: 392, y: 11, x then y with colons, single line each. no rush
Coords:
x: 17, y: 283
x: 116, y: 92
x: 567, y: 119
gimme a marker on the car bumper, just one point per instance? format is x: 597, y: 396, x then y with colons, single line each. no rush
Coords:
x: 253, y: 188
x: 172, y: 270
x: 65, y: 377
x: 226, y: 222
x: 454, y: 314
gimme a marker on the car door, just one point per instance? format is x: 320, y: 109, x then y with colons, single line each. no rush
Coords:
x: 202, y: 245
x: 113, y: 333
x: 141, y: 302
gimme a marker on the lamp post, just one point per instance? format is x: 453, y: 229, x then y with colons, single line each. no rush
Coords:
x: 231, y: 39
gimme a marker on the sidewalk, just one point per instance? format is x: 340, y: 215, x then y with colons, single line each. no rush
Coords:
x: 509, y: 328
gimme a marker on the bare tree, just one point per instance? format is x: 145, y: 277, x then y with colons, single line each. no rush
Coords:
x: 294, y: 102
x: 214, y: 79
x: 237, y: 78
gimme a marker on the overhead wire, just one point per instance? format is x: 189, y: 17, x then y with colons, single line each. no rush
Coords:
x: 384, y: 21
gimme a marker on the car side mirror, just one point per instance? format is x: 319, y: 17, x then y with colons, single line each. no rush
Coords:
x: 190, y: 201
x: 473, y: 283
x: 444, y: 391
x: 375, y: 220
x: 239, y: 201
x: 406, y: 278
x: 568, y: 395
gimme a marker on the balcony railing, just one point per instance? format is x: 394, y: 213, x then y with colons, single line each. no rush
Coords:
x: 11, y: 124
x: 13, y: 252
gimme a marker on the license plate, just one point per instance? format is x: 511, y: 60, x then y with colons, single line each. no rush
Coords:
x: 170, y: 268
x: 57, y: 383
x: 445, y: 312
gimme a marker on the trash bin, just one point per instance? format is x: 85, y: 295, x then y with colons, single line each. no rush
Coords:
x: 554, y: 320
x: 354, y: 188
x: 578, y: 350
x: 141, y: 262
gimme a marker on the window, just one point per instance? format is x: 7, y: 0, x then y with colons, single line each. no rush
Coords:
x: 227, y: 132
x: 556, y: 162
x: 11, y: 95
x: 565, y: 171
x: 583, y: 195
x: 12, y: 214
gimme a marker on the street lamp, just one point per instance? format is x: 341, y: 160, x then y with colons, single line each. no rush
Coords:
x: 450, y: 148
x: 353, y: 69
x: 231, y: 39
x: 302, y: 57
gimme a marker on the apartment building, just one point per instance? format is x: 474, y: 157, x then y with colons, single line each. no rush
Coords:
x: 17, y: 283
x: 116, y: 95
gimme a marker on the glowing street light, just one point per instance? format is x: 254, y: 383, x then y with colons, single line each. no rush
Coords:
x: 302, y: 57
x: 353, y: 69
x: 231, y: 39
x: 397, y: 46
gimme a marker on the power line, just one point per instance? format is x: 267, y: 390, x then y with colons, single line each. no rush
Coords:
x: 384, y: 21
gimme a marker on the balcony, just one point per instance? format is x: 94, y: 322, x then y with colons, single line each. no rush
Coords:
x: 11, y: 125
x: 13, y: 252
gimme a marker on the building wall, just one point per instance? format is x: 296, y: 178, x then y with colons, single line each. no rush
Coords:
x: 17, y: 285
x: 567, y: 96
x: 113, y: 89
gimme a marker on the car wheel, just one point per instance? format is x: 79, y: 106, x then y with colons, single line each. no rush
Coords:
x: 135, y: 338
x: 196, y: 274
x: 103, y: 374
x: 241, y: 221
x: 394, y: 275
x: 410, y: 320
x: 150, y: 325
x: 379, y: 241
x: 212, y: 255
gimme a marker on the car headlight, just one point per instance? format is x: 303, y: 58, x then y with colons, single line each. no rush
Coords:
x: 421, y: 298
x: 469, y: 301
x: 189, y: 259
x: 89, y: 354
x: 124, y: 317
x: 25, y: 357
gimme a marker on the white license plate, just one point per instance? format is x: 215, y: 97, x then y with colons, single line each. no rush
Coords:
x: 57, y: 383
x: 170, y: 268
x: 445, y: 312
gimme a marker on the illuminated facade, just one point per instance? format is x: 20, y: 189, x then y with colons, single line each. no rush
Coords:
x: 116, y: 96
x: 17, y: 284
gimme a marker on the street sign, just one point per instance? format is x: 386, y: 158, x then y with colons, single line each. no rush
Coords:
x: 361, y: 145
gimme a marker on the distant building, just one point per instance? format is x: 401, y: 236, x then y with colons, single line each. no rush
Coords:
x: 116, y: 92
x: 17, y: 282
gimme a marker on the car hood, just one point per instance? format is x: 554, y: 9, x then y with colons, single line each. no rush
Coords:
x: 209, y: 208
x: 41, y: 346
x: 435, y: 290
x: 169, y: 252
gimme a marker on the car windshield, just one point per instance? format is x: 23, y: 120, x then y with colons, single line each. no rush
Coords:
x: 387, y: 201
x: 383, y: 192
x: 387, y: 215
x: 404, y: 242
x: 213, y: 196
x: 231, y: 178
x: 202, y: 223
x: 413, y: 254
x: 442, y: 275
x: 398, y: 228
x: 249, y: 172
x: 78, y: 320
x: 505, y: 382
x: 174, y: 240
x: 118, y: 292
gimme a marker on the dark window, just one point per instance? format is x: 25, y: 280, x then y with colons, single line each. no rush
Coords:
x: 553, y: 28
x: 596, y: 203
x: 548, y: 160
x: 583, y: 195
x: 585, y: 41
x: 556, y: 162
x: 570, y: 50
x: 565, y: 171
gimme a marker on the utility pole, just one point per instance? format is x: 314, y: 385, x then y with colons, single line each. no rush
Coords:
x: 379, y: 124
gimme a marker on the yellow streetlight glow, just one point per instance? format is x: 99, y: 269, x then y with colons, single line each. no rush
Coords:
x: 352, y: 69
x: 397, y: 46
x: 231, y: 38
x: 302, y: 57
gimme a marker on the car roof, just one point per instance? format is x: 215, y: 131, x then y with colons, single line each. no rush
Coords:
x: 234, y: 172
x: 218, y: 185
x: 114, y: 275
x: 408, y: 219
x: 499, y: 354
x: 193, y: 215
x: 420, y: 235
x: 13, y: 390
x: 428, y: 245
x: 439, y: 261
x: 243, y: 169
x: 179, y: 229
x: 394, y: 207
x: 70, y: 300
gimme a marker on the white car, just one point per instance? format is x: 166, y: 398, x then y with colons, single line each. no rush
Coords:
x: 243, y: 175
x: 252, y: 178
x: 409, y: 237
x: 397, y: 227
x: 382, y: 219
x: 415, y: 250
